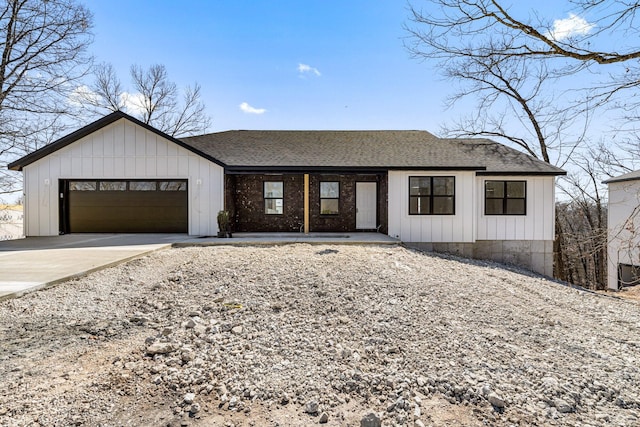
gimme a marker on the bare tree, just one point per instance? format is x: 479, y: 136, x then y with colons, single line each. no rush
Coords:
x: 487, y: 31
x: 583, y: 220
x: 155, y: 99
x: 43, y: 48
x: 482, y: 21
x: 515, y: 104
x: 519, y: 69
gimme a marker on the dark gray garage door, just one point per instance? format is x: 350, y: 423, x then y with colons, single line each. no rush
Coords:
x: 131, y: 206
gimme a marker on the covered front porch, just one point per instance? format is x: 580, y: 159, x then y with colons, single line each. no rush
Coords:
x: 299, y: 202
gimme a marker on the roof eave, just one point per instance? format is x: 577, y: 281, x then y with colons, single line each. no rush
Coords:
x: 352, y: 169
x: 522, y: 173
x: 617, y: 180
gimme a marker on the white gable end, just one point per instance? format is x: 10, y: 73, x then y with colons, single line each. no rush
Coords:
x: 122, y: 150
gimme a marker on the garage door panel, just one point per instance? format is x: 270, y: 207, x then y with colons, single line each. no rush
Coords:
x: 128, y: 211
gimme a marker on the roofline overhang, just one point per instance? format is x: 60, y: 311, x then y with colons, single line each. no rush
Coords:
x: 19, y: 164
x: 521, y: 173
x: 616, y: 180
x: 339, y: 169
x: 479, y: 170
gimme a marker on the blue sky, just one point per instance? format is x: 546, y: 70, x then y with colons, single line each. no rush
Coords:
x: 281, y: 64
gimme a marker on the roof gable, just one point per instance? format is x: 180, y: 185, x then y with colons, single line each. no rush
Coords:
x: 19, y: 164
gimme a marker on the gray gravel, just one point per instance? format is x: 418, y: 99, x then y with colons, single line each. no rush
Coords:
x: 306, y: 335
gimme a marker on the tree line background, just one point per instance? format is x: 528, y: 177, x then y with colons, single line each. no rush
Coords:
x: 564, y: 91
x: 566, y: 94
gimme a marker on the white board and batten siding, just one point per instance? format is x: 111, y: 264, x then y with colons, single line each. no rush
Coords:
x: 122, y: 150
x: 623, y: 227
x: 457, y: 228
x: 537, y: 224
x: 469, y: 223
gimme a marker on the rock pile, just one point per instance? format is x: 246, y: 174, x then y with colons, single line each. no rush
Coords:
x: 336, y: 335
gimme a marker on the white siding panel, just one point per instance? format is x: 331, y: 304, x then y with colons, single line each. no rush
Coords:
x: 86, y: 150
x: 122, y: 150
x: 172, y: 166
x: 118, y: 142
x: 119, y: 167
x: 161, y: 147
x: 129, y: 138
x: 130, y: 167
x: 537, y: 224
x: 183, y: 165
x: 151, y: 166
x: 108, y: 137
x: 86, y: 168
x: 32, y: 207
x: 109, y: 166
x: 431, y: 228
x: 65, y: 165
x: 98, y: 165
x: 172, y: 150
x: 97, y: 146
x: 623, y: 227
x: 394, y: 201
x: 152, y: 144
x: 76, y: 166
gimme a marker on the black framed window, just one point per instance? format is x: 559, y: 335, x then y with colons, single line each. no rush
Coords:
x: 505, y: 197
x: 172, y: 186
x: 142, y: 185
x: 628, y: 275
x: 329, y: 198
x: 273, y: 197
x: 113, y: 185
x: 83, y: 186
x: 432, y: 195
x: 129, y: 185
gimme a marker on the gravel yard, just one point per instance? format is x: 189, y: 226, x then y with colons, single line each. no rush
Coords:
x: 309, y: 334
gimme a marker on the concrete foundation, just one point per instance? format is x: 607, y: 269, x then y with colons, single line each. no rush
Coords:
x: 534, y: 255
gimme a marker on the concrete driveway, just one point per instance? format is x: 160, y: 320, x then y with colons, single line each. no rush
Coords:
x: 37, y: 262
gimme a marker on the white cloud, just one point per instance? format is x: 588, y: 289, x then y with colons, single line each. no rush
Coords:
x: 246, y: 108
x: 308, y: 69
x: 568, y: 27
x: 81, y: 95
x: 133, y: 103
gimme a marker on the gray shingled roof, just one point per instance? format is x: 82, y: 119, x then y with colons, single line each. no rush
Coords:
x: 631, y: 176
x: 324, y: 150
x: 363, y: 149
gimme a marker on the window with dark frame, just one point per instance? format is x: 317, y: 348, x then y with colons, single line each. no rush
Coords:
x: 273, y: 197
x: 83, y: 186
x: 432, y: 195
x: 628, y: 275
x: 129, y: 185
x: 329, y: 198
x: 142, y: 185
x: 505, y: 197
x: 113, y: 185
x: 172, y: 186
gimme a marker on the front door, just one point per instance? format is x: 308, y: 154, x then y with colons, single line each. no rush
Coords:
x: 366, y: 205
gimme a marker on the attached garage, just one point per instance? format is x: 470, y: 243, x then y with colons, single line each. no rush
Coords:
x: 124, y: 206
x: 119, y: 175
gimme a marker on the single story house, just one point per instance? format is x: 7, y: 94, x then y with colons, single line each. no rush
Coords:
x: 471, y: 196
x: 623, y: 234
